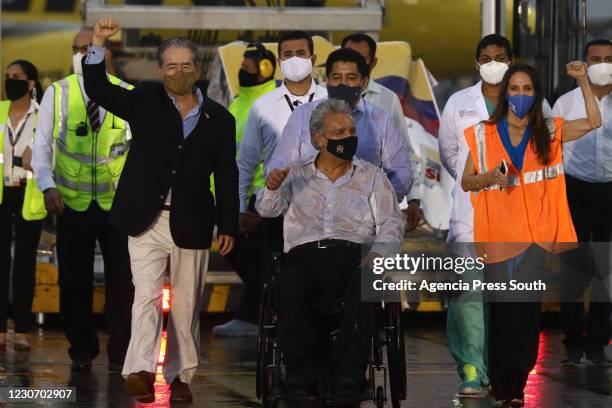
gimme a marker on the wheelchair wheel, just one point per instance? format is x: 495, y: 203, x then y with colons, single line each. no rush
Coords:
x: 380, y: 397
x: 402, y: 356
x: 394, y: 359
x: 265, y: 351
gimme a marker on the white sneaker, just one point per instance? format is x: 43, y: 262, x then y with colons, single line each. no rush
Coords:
x: 236, y: 328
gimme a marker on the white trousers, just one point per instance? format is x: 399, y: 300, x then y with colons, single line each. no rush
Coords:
x: 149, y: 253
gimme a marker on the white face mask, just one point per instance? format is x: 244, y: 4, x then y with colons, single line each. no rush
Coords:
x: 76, y: 63
x: 295, y: 68
x: 601, y: 74
x: 493, y: 72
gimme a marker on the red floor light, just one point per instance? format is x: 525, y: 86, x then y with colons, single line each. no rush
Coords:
x: 162, y: 349
x: 166, y: 300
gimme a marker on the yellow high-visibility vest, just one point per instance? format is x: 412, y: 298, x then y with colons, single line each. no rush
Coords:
x: 87, y: 167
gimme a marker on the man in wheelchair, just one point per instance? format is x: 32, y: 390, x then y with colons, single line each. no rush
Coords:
x: 335, y: 206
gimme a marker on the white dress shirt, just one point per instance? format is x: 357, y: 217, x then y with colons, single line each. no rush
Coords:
x: 25, y: 130
x: 464, y: 108
x: 590, y: 157
x: 42, y: 155
x: 359, y: 207
x: 264, y: 127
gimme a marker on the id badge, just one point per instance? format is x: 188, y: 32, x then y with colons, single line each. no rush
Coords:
x: 117, y: 151
x: 12, y: 181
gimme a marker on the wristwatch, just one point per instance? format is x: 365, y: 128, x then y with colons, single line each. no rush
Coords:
x: 415, y: 200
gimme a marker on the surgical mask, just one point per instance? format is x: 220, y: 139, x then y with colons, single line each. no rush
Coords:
x: 15, y: 88
x: 180, y: 82
x: 348, y: 94
x: 247, y: 79
x: 295, y: 68
x: 76, y: 63
x: 601, y: 74
x: 343, y: 148
x: 520, y: 104
x: 493, y: 72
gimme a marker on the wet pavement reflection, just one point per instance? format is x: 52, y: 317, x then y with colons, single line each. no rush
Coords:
x: 226, y: 376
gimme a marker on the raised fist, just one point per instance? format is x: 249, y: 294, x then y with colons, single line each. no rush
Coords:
x: 104, y: 29
x: 576, y: 69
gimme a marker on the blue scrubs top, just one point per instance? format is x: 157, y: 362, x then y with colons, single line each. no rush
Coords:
x: 516, y: 154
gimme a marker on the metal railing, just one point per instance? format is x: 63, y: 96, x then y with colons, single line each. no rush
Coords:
x: 365, y: 17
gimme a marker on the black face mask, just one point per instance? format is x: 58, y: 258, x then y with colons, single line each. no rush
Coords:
x: 15, y: 88
x: 343, y: 148
x: 246, y: 79
x: 348, y: 94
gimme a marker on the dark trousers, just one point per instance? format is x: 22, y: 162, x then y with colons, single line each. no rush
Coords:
x: 77, y: 233
x: 313, y: 282
x: 27, y: 235
x: 514, y: 328
x: 251, y: 259
x: 591, y: 208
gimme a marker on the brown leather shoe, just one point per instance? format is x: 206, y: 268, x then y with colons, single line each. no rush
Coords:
x: 180, y: 392
x: 21, y: 342
x: 141, y: 386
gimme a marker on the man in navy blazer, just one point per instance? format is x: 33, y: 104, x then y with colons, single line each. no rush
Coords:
x: 163, y: 201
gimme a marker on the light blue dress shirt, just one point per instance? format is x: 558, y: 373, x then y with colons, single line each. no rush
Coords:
x: 379, y: 142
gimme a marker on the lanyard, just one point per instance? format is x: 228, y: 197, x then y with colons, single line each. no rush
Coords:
x: 15, y: 140
x: 297, y: 102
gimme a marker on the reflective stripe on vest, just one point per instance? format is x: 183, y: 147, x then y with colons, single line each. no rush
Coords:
x: 63, y: 111
x: 83, y: 158
x: 531, y: 177
x: 482, y: 147
x: 81, y: 186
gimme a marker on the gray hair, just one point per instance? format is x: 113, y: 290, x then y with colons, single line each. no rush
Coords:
x: 180, y: 42
x: 317, y: 118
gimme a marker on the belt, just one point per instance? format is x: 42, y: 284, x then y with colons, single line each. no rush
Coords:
x: 329, y: 243
x: 166, y: 207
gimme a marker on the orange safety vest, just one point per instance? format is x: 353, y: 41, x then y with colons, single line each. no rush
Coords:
x: 532, y: 209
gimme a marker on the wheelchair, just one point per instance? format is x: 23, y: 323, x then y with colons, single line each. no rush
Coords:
x: 387, y: 335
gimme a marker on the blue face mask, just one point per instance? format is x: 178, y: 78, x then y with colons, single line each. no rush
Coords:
x: 520, y: 104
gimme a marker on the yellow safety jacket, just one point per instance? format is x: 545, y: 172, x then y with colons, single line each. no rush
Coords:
x: 33, y: 201
x: 87, y: 167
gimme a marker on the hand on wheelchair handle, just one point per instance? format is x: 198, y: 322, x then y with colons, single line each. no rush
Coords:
x: 248, y: 222
x: 368, y: 260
